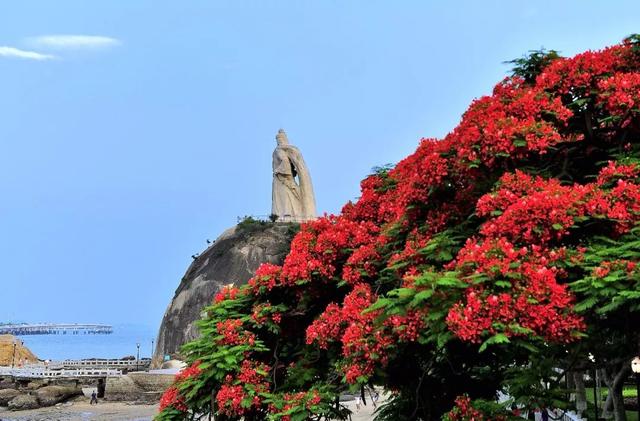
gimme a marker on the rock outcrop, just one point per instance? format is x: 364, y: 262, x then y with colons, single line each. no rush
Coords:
x: 138, y: 387
x: 24, y: 401
x: 7, y: 395
x: 29, y: 398
x: 14, y: 356
x: 51, y: 395
x: 231, y: 259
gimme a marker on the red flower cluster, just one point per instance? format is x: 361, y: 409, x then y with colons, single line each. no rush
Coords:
x: 620, y: 94
x: 416, y: 175
x: 263, y: 312
x: 296, y: 400
x: 522, y: 291
x: 464, y: 411
x: 368, y: 207
x: 526, y: 215
x: 192, y: 371
x: 615, y: 171
x: 247, y: 385
x: 265, y: 278
x: 531, y: 210
x: 254, y: 373
x: 228, y: 292
x: 515, y: 121
x: 328, y: 327
x: 361, y: 264
x: 580, y: 73
x: 233, y: 334
x: 331, y: 325
x: 229, y: 399
x: 172, y: 398
x: 362, y: 345
x: 318, y: 249
x: 407, y: 327
x: 626, y: 266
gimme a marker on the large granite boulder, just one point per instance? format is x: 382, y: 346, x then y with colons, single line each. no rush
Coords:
x: 122, y: 388
x: 7, y: 395
x: 23, y: 401
x: 138, y: 387
x: 7, y: 383
x: 51, y: 395
x: 231, y: 259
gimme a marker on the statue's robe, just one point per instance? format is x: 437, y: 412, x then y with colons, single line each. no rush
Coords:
x: 293, y: 199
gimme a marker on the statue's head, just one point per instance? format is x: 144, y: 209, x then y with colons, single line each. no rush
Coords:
x: 281, y: 138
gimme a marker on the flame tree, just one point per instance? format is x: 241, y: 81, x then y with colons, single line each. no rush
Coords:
x: 494, y: 259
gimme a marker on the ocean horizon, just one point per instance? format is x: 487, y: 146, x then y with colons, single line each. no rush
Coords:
x: 121, y: 343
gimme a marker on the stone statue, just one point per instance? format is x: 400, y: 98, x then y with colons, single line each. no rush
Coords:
x: 293, y: 198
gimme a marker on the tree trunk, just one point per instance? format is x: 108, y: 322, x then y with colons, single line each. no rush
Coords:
x: 614, y: 379
x: 608, y: 404
x: 581, y: 393
x: 619, y: 413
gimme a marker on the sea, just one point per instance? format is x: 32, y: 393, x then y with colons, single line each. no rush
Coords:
x: 121, y: 343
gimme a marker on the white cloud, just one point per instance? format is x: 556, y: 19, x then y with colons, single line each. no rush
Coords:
x: 74, y: 42
x: 29, y: 55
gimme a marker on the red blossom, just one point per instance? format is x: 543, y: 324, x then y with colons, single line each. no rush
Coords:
x: 192, y: 371
x: 615, y: 171
x: 465, y: 411
x: 172, y: 398
x: 535, y: 300
x: 229, y: 399
x: 266, y: 276
x: 582, y: 71
x: 620, y: 94
x: 233, y: 334
x: 228, y: 292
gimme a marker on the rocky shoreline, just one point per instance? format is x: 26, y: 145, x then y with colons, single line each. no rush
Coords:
x: 137, y: 387
x: 17, y: 395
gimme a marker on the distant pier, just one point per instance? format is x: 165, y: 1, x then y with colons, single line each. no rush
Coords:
x: 55, y: 329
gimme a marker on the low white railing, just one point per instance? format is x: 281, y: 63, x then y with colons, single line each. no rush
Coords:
x: 39, y: 372
x: 103, y: 363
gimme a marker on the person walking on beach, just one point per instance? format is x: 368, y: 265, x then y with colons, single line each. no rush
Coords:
x: 358, y: 402
x: 94, y: 398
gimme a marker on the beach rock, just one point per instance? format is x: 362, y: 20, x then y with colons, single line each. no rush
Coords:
x: 23, y: 401
x: 35, y: 384
x: 152, y: 382
x: 138, y: 387
x: 51, y: 395
x: 6, y: 395
x: 7, y: 383
x: 231, y: 259
x: 122, y: 388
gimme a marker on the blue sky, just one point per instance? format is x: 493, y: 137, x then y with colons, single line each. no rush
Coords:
x: 131, y: 131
